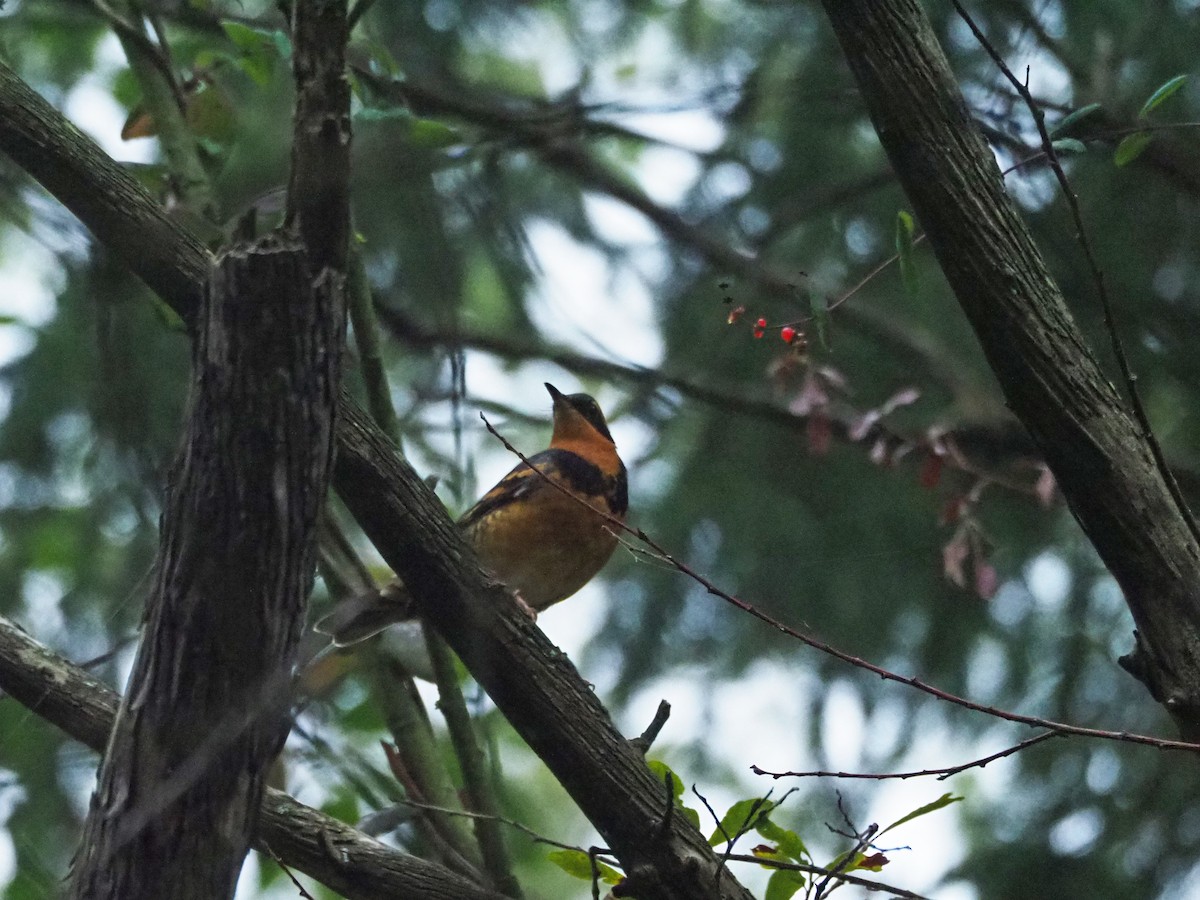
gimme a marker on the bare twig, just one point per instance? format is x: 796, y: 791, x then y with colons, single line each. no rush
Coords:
x: 305, y: 895
x: 855, y: 880
x: 647, y: 737
x: 366, y: 339
x: 1085, y: 244
x: 942, y: 774
x: 863, y: 840
x: 512, y: 823
x: 829, y: 650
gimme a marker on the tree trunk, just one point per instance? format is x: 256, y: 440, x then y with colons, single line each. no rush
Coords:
x: 182, y: 780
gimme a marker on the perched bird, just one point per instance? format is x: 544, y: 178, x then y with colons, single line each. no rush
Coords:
x: 540, y: 542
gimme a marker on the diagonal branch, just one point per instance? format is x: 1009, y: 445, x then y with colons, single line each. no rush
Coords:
x: 537, y: 689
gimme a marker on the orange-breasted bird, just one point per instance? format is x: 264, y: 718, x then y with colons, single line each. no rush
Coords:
x: 540, y: 542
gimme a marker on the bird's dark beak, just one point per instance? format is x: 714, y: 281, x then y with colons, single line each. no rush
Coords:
x: 555, y: 394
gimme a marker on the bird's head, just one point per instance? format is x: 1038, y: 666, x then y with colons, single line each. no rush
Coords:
x: 577, y: 417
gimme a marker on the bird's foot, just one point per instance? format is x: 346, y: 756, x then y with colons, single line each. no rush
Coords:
x: 525, y: 607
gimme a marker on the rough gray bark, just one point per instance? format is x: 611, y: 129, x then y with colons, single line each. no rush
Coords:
x: 1050, y: 377
x: 356, y: 866
x: 182, y: 779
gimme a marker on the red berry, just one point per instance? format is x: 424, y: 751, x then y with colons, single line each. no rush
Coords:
x: 788, y: 333
x: 761, y: 323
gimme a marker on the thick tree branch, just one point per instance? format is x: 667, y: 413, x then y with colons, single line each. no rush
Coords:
x: 532, y: 682
x: 318, y: 201
x: 346, y: 860
x: 539, y: 691
x: 1049, y: 376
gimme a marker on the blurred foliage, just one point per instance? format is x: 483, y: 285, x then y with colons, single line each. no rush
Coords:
x: 523, y: 122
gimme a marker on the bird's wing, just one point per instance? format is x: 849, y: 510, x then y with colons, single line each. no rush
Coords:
x: 523, y: 483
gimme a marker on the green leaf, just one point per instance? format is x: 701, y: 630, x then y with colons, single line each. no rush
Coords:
x: 381, y: 114
x: 1164, y: 92
x: 577, y: 864
x: 940, y: 803
x: 258, y: 68
x: 1071, y: 118
x: 904, y: 249
x: 343, y: 806
x: 1131, y: 147
x: 168, y: 316
x: 425, y: 134
x: 245, y: 38
x: 282, y: 44
x: 260, y: 50
x: 430, y: 134
x: 788, y: 843
x: 741, y: 817
x: 210, y: 115
x: 1068, y: 145
x: 662, y: 770
x: 783, y: 885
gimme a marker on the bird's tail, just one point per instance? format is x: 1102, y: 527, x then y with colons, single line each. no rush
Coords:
x: 364, y: 616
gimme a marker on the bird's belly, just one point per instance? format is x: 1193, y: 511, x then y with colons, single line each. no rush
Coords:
x: 545, y: 552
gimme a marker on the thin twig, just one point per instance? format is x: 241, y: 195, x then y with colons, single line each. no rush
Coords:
x: 366, y: 338
x: 512, y: 823
x: 130, y: 32
x: 855, y: 880
x: 288, y: 872
x: 664, y: 827
x: 1085, y: 244
x: 862, y: 841
x: 942, y: 774
x: 851, y: 659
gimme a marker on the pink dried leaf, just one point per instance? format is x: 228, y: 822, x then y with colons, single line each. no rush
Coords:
x: 1046, y: 487
x: 903, y: 397
x: 820, y: 433
x: 881, y: 453
x: 862, y: 426
x: 954, y: 555
x: 931, y: 471
x: 986, y: 579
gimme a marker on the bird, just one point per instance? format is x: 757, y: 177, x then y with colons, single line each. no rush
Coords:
x: 539, y: 541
